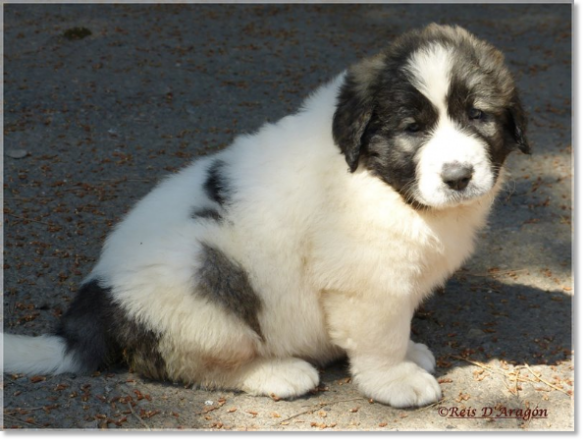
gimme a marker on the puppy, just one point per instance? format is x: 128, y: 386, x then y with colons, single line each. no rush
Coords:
x: 314, y: 238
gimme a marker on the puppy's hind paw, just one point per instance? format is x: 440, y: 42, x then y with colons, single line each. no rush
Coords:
x: 284, y: 378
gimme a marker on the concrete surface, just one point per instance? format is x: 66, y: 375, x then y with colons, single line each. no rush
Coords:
x: 91, y: 124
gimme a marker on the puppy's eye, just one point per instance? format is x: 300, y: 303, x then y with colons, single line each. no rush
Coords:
x: 475, y: 114
x: 413, y: 128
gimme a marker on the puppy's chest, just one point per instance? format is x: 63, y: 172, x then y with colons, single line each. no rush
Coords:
x: 406, y: 258
x: 423, y: 256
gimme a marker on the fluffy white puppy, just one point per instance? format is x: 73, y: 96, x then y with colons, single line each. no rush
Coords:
x: 316, y: 237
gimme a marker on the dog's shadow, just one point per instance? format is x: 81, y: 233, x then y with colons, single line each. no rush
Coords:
x: 482, y: 318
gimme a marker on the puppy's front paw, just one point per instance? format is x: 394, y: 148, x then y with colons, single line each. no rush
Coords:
x: 281, y: 377
x: 403, y: 385
x: 421, y: 356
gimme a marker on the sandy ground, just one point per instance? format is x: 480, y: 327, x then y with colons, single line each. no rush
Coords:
x: 92, y: 123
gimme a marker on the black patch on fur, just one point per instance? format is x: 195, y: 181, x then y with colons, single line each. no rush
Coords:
x: 352, y: 116
x: 226, y: 283
x: 207, y: 213
x: 216, y: 186
x: 502, y: 129
x: 515, y: 123
x: 100, y: 334
x: 394, y: 101
x: 382, y: 154
x: 460, y: 100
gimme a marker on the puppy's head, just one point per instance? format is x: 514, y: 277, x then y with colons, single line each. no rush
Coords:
x: 435, y: 115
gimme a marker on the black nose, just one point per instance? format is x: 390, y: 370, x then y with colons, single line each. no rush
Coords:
x: 456, y: 176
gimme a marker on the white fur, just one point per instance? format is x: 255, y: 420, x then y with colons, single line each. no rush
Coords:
x: 339, y: 260
x: 280, y: 377
x: 421, y: 356
x: 431, y: 66
x: 33, y: 355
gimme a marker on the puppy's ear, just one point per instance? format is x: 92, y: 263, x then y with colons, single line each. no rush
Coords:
x: 517, y: 125
x: 355, y: 105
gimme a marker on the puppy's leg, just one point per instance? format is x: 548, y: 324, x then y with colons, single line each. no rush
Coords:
x: 287, y: 377
x: 375, y: 334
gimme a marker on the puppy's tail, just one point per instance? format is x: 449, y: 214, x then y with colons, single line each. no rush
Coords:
x: 82, y: 342
x: 44, y: 354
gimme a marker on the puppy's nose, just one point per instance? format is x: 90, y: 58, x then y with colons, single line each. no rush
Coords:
x: 457, y: 176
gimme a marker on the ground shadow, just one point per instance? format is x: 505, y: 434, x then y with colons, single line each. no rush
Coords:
x: 482, y: 318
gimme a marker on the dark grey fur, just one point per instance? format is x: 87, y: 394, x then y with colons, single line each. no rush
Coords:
x: 100, y: 334
x: 207, y: 213
x: 216, y: 185
x: 226, y: 283
x: 378, y: 97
